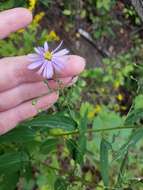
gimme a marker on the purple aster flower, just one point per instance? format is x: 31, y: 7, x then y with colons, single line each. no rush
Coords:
x: 48, y: 61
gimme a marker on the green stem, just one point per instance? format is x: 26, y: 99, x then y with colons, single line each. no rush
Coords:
x: 93, y: 130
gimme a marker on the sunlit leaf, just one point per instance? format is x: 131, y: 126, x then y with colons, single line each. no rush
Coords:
x: 104, y: 165
x: 107, y: 119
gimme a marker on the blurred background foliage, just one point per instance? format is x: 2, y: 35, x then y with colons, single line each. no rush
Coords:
x: 92, y: 138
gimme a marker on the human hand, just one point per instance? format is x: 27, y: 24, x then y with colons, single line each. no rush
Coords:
x: 18, y: 85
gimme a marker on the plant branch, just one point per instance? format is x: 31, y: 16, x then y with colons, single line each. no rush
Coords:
x: 94, y: 130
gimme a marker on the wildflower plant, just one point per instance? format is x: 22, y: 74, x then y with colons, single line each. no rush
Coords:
x: 82, y: 142
x: 48, y: 62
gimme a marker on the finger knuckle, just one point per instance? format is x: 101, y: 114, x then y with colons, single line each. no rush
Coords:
x: 20, y: 94
x: 19, y: 75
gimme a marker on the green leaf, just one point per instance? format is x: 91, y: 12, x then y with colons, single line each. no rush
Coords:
x: 46, y: 179
x: 27, y: 172
x: 104, y: 166
x: 9, y: 181
x: 44, y: 122
x: 77, y: 148
x: 60, y: 184
x: 19, y: 134
x: 28, y: 185
x: 95, y: 73
x: 12, y: 162
x: 134, y: 117
x: 138, y: 102
x: 73, y: 148
x: 107, y: 119
x: 86, y: 106
x: 45, y: 2
x: 134, y: 138
x: 121, y: 171
x: 7, y: 4
x: 49, y: 145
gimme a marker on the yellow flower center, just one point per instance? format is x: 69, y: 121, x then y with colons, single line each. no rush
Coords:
x: 48, y: 55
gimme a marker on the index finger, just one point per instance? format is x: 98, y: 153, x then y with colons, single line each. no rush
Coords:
x: 13, y: 19
x: 14, y: 70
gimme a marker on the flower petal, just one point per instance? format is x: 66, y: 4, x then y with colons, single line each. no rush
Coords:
x: 58, y: 47
x: 34, y: 65
x: 39, y: 50
x: 46, y: 47
x: 42, y: 68
x: 33, y: 56
x: 36, y: 59
x: 61, y: 53
x: 58, y: 63
x: 45, y: 72
x: 50, y: 70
